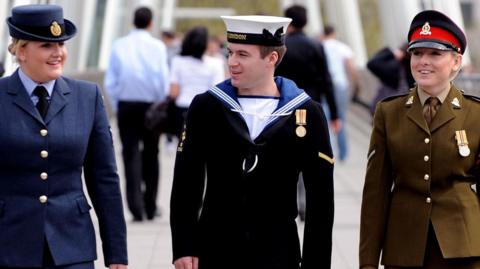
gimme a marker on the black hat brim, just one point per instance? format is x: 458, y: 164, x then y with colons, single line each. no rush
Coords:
x: 15, y: 32
x: 429, y: 45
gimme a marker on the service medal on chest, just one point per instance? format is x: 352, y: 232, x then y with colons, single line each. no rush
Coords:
x: 462, y: 143
x: 301, y: 121
x: 301, y: 131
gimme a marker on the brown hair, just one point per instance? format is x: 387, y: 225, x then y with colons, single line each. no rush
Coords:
x: 266, y: 50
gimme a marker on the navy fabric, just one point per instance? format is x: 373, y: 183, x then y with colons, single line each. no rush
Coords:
x: 34, y: 22
x: 78, y: 140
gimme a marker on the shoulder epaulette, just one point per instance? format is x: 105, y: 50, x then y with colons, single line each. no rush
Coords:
x: 392, y: 97
x: 472, y: 97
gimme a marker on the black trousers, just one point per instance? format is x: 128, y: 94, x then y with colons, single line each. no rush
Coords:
x: 140, y: 158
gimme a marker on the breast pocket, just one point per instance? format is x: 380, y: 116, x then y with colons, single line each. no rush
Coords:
x: 83, y: 205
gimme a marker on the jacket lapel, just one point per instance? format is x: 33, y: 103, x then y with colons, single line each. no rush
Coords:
x: 59, y: 99
x: 446, y: 112
x: 20, y: 97
x: 415, y: 111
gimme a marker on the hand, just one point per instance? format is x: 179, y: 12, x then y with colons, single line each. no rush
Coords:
x: 336, y: 125
x: 188, y: 262
x: 117, y: 266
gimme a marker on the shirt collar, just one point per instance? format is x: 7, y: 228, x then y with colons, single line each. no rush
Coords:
x: 30, y: 85
x: 423, y: 96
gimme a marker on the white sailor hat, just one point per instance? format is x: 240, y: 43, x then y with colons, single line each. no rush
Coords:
x: 257, y: 30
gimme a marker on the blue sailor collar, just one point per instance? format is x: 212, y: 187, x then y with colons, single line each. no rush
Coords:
x: 291, y: 97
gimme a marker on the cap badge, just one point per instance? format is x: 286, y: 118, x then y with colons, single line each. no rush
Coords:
x: 55, y: 29
x: 426, y: 29
x: 456, y: 103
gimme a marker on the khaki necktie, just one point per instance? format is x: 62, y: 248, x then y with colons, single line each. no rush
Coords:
x: 430, y: 109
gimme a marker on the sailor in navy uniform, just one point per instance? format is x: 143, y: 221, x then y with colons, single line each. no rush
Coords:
x: 245, y: 141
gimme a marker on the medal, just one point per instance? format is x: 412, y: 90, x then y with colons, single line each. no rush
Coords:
x: 462, y: 143
x: 301, y: 121
x: 301, y: 131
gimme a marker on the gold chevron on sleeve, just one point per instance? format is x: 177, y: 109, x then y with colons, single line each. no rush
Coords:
x: 326, y: 158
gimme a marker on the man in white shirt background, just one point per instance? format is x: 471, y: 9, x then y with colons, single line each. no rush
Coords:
x: 344, y: 77
x: 137, y: 76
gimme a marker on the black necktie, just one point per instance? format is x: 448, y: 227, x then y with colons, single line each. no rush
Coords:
x: 42, y: 104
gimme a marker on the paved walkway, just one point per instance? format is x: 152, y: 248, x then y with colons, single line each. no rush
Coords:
x: 149, y: 243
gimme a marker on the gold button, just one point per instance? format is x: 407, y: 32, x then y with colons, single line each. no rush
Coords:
x: 44, y: 154
x: 43, y: 132
x: 426, y: 158
x: 43, y: 199
x: 427, y: 140
x: 428, y: 200
x: 426, y: 177
x: 44, y: 176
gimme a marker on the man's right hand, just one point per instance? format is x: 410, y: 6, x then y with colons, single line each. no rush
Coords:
x: 188, y: 262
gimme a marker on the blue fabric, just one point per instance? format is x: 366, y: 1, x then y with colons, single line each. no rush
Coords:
x: 78, y: 139
x: 137, y: 69
x: 30, y: 85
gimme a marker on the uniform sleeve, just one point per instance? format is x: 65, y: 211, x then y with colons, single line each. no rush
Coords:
x: 103, y: 186
x: 188, y: 185
x: 376, y: 194
x: 318, y: 180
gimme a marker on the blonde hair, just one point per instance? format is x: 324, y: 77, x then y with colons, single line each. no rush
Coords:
x: 455, y: 73
x: 15, y: 44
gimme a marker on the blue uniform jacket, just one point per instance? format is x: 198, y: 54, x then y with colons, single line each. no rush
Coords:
x: 41, y: 189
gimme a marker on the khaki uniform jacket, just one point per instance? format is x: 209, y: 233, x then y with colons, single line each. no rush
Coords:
x: 416, y: 175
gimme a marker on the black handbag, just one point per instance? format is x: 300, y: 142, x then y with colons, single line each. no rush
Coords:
x: 159, y: 116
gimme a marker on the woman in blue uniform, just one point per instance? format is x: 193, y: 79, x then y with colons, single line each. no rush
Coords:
x: 52, y: 129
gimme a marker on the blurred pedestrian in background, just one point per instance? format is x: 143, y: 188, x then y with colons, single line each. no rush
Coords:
x: 392, y: 68
x: 192, y: 73
x: 137, y: 76
x: 306, y: 64
x: 344, y: 77
x: 172, y: 43
x: 234, y: 199
x: 418, y: 208
x: 53, y: 128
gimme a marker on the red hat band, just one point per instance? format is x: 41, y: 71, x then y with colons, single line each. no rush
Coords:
x: 435, y: 34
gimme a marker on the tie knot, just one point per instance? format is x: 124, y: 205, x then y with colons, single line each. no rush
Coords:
x: 40, y: 92
x: 432, y: 101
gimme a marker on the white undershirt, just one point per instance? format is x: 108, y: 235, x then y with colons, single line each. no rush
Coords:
x: 256, y: 112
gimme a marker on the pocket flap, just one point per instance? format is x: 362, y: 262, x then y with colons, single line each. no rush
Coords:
x: 83, y: 205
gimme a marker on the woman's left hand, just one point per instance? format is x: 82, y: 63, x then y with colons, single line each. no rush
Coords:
x: 117, y: 266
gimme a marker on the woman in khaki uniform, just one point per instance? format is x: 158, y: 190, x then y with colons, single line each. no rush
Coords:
x: 419, y: 209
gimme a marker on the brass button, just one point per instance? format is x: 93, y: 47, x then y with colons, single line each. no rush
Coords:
x: 426, y: 158
x: 427, y: 140
x: 43, y: 199
x: 43, y: 132
x: 426, y: 177
x: 44, y: 154
x: 44, y: 176
x: 428, y: 200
